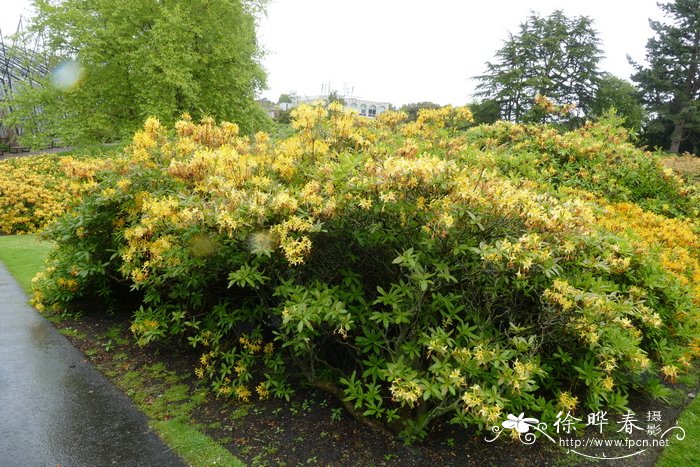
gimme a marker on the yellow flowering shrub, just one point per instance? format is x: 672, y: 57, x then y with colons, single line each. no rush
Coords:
x: 421, y: 269
x: 35, y: 190
x: 597, y: 158
x: 675, y: 241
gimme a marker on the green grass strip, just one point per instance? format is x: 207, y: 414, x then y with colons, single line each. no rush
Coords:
x: 24, y: 256
x: 687, y: 451
x: 196, y: 448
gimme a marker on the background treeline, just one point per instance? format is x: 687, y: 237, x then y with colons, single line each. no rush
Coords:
x: 558, y: 57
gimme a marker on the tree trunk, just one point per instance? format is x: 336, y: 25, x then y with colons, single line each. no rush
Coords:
x: 677, y: 136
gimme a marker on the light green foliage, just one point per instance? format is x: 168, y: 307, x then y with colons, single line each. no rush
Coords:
x: 142, y: 58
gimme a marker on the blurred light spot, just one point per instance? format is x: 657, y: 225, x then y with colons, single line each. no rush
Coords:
x: 260, y: 242
x: 67, y: 75
x: 203, y: 245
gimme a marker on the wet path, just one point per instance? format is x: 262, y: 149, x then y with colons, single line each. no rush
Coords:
x: 55, y: 408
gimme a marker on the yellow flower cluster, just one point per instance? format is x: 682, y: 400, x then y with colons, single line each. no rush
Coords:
x: 567, y: 401
x: 538, y: 211
x: 561, y: 294
x: 69, y: 284
x: 243, y: 393
x: 443, y: 116
x: 524, y: 253
x: 144, y: 326
x: 475, y: 401
x: 294, y: 249
x: 522, y: 375
x: 676, y: 240
x: 262, y: 391
x: 670, y: 372
x: 549, y: 107
x: 405, y: 392
x: 252, y: 345
x: 36, y: 190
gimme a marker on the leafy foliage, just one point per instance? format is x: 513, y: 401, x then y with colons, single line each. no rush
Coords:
x: 596, y: 158
x: 485, y: 111
x: 417, y: 269
x: 140, y: 58
x: 621, y: 96
x: 670, y: 84
x: 556, y: 57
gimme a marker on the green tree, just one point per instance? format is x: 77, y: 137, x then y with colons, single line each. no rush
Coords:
x: 486, y: 111
x: 555, y: 57
x: 670, y: 83
x: 622, y: 96
x: 141, y: 58
x: 287, y: 98
x: 333, y: 96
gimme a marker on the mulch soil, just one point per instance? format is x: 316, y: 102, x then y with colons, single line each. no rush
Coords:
x: 307, y: 430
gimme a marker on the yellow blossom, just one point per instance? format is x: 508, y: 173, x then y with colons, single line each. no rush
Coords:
x: 567, y: 401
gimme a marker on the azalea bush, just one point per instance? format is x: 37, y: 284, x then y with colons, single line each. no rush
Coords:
x: 36, y: 190
x: 421, y: 271
x: 598, y: 158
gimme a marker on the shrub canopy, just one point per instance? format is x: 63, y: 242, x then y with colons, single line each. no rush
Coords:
x: 418, y: 269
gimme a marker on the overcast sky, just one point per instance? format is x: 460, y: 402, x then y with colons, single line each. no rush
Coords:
x: 403, y: 51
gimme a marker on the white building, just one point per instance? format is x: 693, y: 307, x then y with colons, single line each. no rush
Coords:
x: 363, y: 107
x: 366, y: 108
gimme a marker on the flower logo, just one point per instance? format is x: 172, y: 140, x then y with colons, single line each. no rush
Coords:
x: 520, y: 423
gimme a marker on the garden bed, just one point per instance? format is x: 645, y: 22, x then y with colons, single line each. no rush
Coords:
x: 313, y: 428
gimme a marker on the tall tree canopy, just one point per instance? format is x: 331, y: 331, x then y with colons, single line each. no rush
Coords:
x: 621, y: 96
x: 556, y: 57
x: 139, y: 58
x: 670, y: 83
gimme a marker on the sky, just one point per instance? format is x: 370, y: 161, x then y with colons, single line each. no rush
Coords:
x: 403, y: 51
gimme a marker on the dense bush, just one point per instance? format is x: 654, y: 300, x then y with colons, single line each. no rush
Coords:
x: 419, y: 270
x: 597, y: 158
x: 35, y: 190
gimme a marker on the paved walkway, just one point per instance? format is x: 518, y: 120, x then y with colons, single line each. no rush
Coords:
x: 55, y: 408
x: 10, y: 155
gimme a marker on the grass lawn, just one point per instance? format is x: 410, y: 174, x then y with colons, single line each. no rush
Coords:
x: 24, y: 256
x: 687, y: 451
